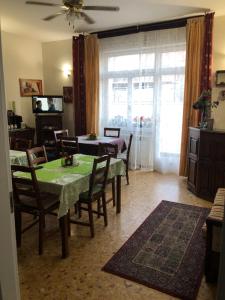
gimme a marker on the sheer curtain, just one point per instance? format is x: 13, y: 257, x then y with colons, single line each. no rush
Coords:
x: 141, y: 91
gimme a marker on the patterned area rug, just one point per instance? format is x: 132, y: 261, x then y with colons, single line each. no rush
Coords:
x: 166, y: 252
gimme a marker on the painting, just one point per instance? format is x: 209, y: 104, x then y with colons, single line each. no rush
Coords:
x: 68, y: 94
x: 220, y: 78
x: 30, y: 87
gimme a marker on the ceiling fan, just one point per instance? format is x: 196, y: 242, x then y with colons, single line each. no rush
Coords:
x: 73, y: 9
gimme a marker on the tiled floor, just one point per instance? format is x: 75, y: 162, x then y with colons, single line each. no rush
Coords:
x: 80, y: 277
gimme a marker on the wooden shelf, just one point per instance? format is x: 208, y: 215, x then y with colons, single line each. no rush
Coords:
x: 206, y: 162
x: 45, y: 126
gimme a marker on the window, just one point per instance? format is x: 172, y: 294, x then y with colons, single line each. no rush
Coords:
x: 142, y: 90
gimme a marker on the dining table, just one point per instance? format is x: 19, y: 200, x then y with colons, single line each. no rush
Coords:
x: 68, y: 182
x: 90, y: 146
x: 18, y: 157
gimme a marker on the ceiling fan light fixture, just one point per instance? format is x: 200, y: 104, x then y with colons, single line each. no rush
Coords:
x: 72, y: 14
x: 74, y: 9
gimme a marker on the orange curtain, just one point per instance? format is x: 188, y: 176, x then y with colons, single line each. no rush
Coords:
x: 194, y: 55
x: 91, y: 47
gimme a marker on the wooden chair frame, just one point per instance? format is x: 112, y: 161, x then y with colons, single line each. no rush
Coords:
x: 111, y: 129
x: 112, y: 151
x: 98, y: 178
x: 108, y: 149
x: 29, y: 199
x: 69, y: 145
x: 58, y: 134
x: 126, y: 161
x: 36, y: 155
x: 211, y: 258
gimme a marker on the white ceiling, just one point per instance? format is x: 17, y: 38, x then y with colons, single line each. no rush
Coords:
x: 19, y: 18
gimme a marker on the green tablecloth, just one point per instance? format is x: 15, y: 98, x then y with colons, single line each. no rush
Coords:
x: 69, y: 182
x: 18, y: 157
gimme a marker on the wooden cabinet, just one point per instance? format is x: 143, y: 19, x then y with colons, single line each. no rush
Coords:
x: 206, y: 162
x: 23, y: 133
x: 45, y: 126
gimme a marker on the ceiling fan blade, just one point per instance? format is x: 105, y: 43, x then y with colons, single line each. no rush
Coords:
x: 105, y: 8
x: 49, y: 18
x: 42, y: 3
x: 88, y: 19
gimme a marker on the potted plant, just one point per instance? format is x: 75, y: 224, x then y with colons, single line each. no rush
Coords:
x: 204, y: 104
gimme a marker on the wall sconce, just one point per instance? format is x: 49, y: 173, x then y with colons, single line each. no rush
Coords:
x: 67, y: 70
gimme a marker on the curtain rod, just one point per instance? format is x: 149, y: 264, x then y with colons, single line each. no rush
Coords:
x: 144, y: 27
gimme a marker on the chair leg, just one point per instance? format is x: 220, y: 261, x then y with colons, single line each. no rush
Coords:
x: 98, y: 208
x: 127, y: 174
x: 104, y: 210
x: 79, y: 210
x: 91, y: 222
x: 114, y: 192
x: 75, y: 208
x: 41, y: 233
x: 36, y: 216
x: 69, y: 227
x: 18, y: 227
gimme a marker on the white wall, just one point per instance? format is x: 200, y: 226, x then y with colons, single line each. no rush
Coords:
x: 218, y: 64
x: 26, y: 58
x: 9, y: 281
x: 22, y: 58
x: 55, y: 56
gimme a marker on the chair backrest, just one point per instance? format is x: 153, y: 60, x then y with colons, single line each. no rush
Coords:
x: 20, y: 144
x: 58, y: 134
x: 112, y: 132
x: 69, y: 145
x: 99, y: 174
x: 129, y: 146
x: 36, y: 155
x: 26, y: 186
x: 108, y: 149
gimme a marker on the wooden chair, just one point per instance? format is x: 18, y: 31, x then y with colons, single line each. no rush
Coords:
x: 58, y: 134
x: 108, y: 149
x: 213, y: 231
x: 20, y: 144
x: 112, y: 132
x: 125, y: 156
x: 96, y: 192
x: 29, y: 199
x: 112, y: 151
x: 69, y: 145
x: 36, y: 156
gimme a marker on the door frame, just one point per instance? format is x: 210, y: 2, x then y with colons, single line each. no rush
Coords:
x: 9, y: 279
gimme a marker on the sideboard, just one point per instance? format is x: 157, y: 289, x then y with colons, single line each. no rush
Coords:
x: 206, y: 162
x: 24, y: 133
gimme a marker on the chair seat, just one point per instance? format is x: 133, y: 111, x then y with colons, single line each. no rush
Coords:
x: 216, y: 213
x: 48, y: 200
x: 96, y: 190
x: 220, y: 197
x: 122, y: 155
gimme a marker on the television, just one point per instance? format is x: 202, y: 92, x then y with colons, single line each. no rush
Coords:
x: 47, y: 104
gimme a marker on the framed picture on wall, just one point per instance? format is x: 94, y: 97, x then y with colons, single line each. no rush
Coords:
x: 30, y: 87
x: 68, y: 94
x: 220, y: 78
